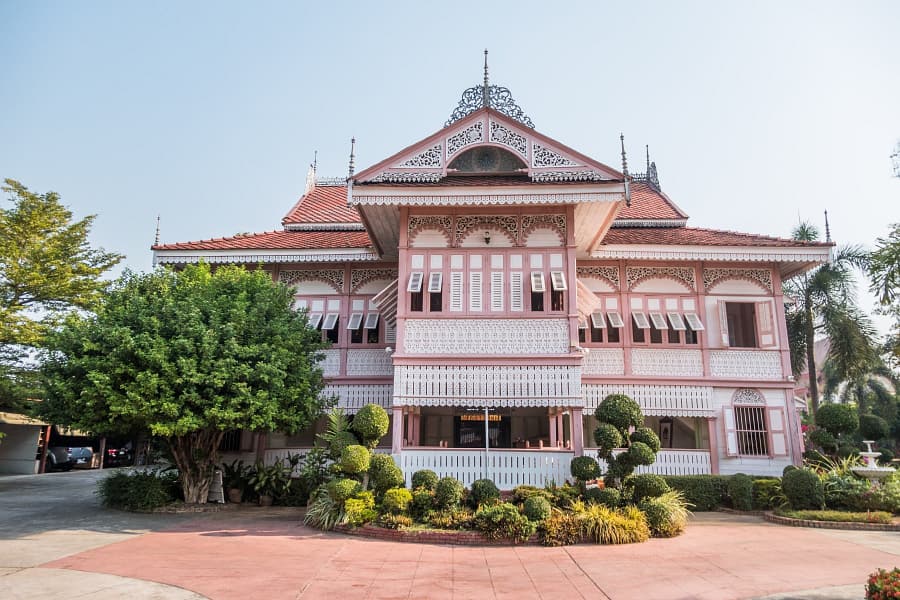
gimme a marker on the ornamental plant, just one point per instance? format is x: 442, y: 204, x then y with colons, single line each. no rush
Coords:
x: 370, y: 424
x: 883, y: 585
x: 426, y: 478
x: 621, y: 426
x: 448, y: 493
x: 483, y: 491
x: 396, y: 500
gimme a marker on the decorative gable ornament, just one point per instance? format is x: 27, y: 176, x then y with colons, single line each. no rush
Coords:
x: 498, y: 98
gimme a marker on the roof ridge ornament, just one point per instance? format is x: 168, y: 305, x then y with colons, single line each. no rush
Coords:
x: 489, y: 96
x: 651, y: 175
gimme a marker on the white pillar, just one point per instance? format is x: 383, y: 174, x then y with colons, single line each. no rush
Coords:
x: 576, y: 423
x: 552, y: 428
x: 397, y: 438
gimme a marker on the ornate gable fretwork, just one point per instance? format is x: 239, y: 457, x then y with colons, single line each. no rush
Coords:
x: 634, y: 275
x: 501, y: 134
x: 472, y: 134
x: 429, y: 159
x: 333, y: 277
x: 442, y: 222
x: 545, y: 157
x: 506, y: 223
x: 566, y: 176
x: 712, y: 276
x: 498, y: 98
x: 557, y: 222
x: 398, y: 177
x: 748, y: 396
x: 610, y: 274
x: 358, y: 277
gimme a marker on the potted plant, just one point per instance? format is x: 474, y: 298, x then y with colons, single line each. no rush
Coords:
x: 270, y: 481
x: 235, y: 478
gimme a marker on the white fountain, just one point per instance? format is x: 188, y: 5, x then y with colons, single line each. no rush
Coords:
x: 870, y: 469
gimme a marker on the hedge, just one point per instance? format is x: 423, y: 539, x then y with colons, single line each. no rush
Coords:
x: 705, y: 492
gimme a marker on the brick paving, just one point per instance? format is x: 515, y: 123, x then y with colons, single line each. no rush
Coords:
x: 259, y: 554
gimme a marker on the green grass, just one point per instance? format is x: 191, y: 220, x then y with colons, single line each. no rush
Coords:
x: 839, y: 516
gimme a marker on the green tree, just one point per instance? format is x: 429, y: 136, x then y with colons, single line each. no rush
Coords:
x: 825, y: 303
x: 884, y: 272
x: 47, y: 269
x: 187, y: 356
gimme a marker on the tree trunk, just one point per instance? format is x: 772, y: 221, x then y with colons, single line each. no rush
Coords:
x: 196, y: 456
x: 811, y: 359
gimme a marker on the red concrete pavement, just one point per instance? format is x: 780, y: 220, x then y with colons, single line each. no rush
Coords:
x: 247, y: 555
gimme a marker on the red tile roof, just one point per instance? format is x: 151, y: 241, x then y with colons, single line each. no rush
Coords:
x: 691, y: 236
x: 324, y: 204
x: 649, y: 204
x: 279, y: 240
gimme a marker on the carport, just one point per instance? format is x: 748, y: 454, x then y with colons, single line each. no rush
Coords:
x: 20, y: 446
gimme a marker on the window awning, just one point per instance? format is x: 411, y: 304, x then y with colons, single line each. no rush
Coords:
x: 386, y: 301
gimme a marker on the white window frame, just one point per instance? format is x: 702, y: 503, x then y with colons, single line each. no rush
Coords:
x: 537, y: 282
x: 582, y: 323
x: 597, y: 320
x: 677, y: 321
x: 558, y: 281
x: 314, y: 320
x: 435, y: 282
x: 330, y: 321
x: 658, y: 320
x: 640, y: 319
x: 615, y: 319
x: 693, y: 321
x: 354, y: 321
x: 371, y: 320
x: 415, y: 282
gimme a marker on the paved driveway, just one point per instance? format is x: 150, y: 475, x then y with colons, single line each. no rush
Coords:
x: 265, y: 553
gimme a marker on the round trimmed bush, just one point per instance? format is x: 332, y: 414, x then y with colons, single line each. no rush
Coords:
x: 823, y: 439
x: 666, y: 515
x: 609, y: 497
x: 503, y: 521
x: 536, y: 508
x: 647, y: 485
x: 384, y: 473
x: 355, y: 459
x: 341, y: 489
x: 371, y: 424
x: 873, y: 427
x: 803, y: 490
x: 740, y: 490
x: 396, y: 500
x: 339, y: 442
x: 448, y: 493
x: 422, y: 502
x: 620, y: 411
x: 641, y: 454
x: 608, y: 437
x: 788, y: 469
x: 426, y: 478
x: 837, y: 419
x: 584, y: 468
x: 647, y: 436
x: 483, y: 491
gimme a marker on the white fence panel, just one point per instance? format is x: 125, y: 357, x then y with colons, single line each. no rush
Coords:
x: 504, y: 467
x: 671, y: 462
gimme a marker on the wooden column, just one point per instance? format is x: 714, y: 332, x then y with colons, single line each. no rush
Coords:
x: 576, y: 423
x: 397, y: 438
x: 552, y: 428
x: 713, y: 445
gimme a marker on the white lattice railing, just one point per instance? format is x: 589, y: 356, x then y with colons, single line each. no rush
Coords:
x: 471, y: 385
x: 671, y: 462
x: 656, y: 400
x: 506, y: 468
x: 745, y: 364
x: 666, y: 362
x: 352, y: 397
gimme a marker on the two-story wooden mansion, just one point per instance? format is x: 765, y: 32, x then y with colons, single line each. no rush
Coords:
x: 489, y: 266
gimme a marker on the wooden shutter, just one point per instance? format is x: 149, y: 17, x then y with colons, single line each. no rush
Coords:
x: 354, y: 321
x: 456, y: 291
x: 516, y: 300
x: 765, y: 325
x: 475, y: 291
x: 731, y: 441
x: 723, y: 323
x: 777, y: 426
x: 497, y: 291
x: 435, y: 282
x: 415, y: 282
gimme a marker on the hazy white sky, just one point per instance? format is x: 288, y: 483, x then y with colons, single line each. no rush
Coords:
x: 757, y: 113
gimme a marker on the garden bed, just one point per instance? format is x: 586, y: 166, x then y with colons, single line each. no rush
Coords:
x: 431, y: 536
x: 853, y: 525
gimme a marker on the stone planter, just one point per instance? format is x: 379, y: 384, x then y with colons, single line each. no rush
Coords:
x: 265, y: 500
x: 235, y: 495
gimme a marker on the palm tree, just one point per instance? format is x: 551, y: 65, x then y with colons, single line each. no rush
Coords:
x: 884, y: 272
x: 872, y: 390
x: 825, y: 302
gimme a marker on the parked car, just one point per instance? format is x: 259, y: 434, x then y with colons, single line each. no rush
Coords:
x: 64, y: 458
x: 119, y: 457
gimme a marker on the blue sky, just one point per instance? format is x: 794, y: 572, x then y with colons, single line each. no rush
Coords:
x: 757, y: 113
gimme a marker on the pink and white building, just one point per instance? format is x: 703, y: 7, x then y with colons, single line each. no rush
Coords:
x: 489, y: 266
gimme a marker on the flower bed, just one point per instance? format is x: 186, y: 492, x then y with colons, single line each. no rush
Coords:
x: 854, y: 521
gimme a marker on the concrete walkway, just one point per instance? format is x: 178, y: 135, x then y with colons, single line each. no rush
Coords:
x: 255, y: 554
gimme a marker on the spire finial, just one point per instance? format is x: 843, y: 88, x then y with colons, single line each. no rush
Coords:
x: 486, y: 95
x: 156, y: 240
x: 827, y: 228
x: 624, y: 159
x: 647, y: 146
x: 352, y: 157
x: 315, y: 160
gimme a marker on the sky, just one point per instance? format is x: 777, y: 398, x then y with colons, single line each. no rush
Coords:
x: 758, y: 114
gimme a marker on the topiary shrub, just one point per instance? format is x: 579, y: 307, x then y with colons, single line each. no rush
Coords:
x: 425, y: 478
x: 620, y: 411
x: 822, y: 439
x: 740, y: 490
x: 607, y: 436
x: 610, y: 497
x: 523, y: 492
x: 703, y: 492
x: 536, y: 508
x: 787, y: 469
x: 422, y: 502
x: 873, y: 427
x: 617, y: 414
x: 483, y: 491
x: 560, y: 529
x: 503, y: 521
x: 584, y: 468
x: 396, y: 500
x: 646, y: 485
x: 837, y: 419
x: 645, y: 435
x: 803, y: 489
x: 370, y: 424
x: 355, y: 459
x: 384, y: 474
x: 340, y: 441
x: 448, y: 493
x: 640, y: 454
x: 666, y: 514
x: 341, y: 489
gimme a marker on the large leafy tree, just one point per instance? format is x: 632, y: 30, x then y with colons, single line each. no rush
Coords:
x: 47, y: 269
x: 884, y: 272
x: 825, y: 303
x: 187, y: 356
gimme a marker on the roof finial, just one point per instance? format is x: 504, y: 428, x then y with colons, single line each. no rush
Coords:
x: 624, y: 159
x: 352, y: 157
x: 156, y: 241
x: 486, y: 97
x: 315, y: 160
x: 827, y: 228
x: 647, y: 146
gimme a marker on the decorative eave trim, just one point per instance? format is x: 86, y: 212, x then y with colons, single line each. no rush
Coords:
x: 488, y: 199
x: 183, y: 257
x: 324, y: 227
x: 716, y: 253
x: 649, y: 223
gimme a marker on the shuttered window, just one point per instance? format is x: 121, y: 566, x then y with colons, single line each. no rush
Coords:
x: 640, y: 320
x: 676, y: 321
x: 475, y: 292
x: 693, y: 321
x: 355, y: 321
x: 314, y: 319
x: 371, y: 321
x: 659, y: 321
x: 597, y: 319
x: 330, y: 322
x: 415, y: 282
x: 558, y: 281
x: 537, y: 282
x: 516, y: 300
x: 456, y: 291
x: 435, y: 282
x: 615, y: 319
x: 497, y: 291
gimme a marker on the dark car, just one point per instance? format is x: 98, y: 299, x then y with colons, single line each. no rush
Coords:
x: 64, y: 458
